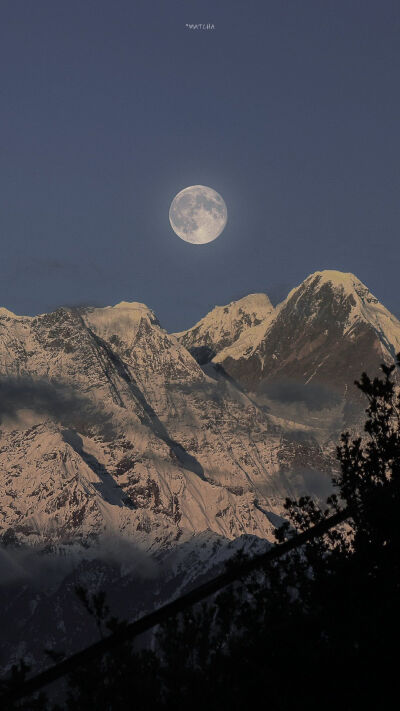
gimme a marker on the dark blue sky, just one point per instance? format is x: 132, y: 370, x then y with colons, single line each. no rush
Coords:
x: 290, y: 110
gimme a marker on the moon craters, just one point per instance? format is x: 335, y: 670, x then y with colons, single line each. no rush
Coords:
x: 198, y: 214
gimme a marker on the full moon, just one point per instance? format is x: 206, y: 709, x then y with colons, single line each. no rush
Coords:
x: 198, y: 214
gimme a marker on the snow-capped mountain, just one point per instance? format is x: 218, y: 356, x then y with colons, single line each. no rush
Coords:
x: 327, y: 331
x: 112, y: 430
x: 112, y: 427
x: 224, y: 324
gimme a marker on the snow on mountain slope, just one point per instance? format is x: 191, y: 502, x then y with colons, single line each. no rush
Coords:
x: 328, y: 330
x: 128, y: 435
x: 121, y: 318
x: 232, y: 440
x: 133, y: 331
x: 224, y: 324
x: 59, y: 487
x: 111, y: 431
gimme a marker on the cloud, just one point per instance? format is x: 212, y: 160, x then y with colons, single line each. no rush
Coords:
x: 19, y: 396
x: 311, y: 482
x: 48, y: 266
x: 41, y: 267
x: 300, y: 481
x: 51, y: 266
x: 27, y: 565
x: 41, y: 568
x: 314, y: 396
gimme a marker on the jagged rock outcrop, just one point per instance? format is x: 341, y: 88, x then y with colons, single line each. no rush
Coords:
x: 329, y: 326
x: 224, y: 324
x: 112, y: 427
x: 322, y: 337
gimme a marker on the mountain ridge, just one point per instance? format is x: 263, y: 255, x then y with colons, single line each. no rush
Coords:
x: 113, y: 429
x: 338, y: 303
x: 148, y: 413
x: 224, y: 324
x: 188, y: 450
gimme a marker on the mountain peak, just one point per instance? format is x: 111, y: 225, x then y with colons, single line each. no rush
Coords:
x: 329, y: 316
x: 345, y: 287
x: 123, y: 319
x: 130, y: 306
x: 256, y: 301
x: 346, y: 280
x: 224, y: 324
x: 135, y: 310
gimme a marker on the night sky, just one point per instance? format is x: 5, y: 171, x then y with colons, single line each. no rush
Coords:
x: 290, y: 110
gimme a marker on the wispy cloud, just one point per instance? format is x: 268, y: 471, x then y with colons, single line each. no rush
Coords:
x: 51, y: 399
x: 40, y: 567
x: 314, y: 396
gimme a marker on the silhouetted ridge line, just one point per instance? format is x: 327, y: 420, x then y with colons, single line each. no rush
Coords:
x: 133, y: 629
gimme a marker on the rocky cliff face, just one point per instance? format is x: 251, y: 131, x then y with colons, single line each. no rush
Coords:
x: 321, y: 325
x: 326, y: 332
x: 112, y: 427
x: 109, y: 425
x: 224, y: 324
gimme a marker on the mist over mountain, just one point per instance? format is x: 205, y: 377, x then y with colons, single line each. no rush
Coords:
x: 168, y: 445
